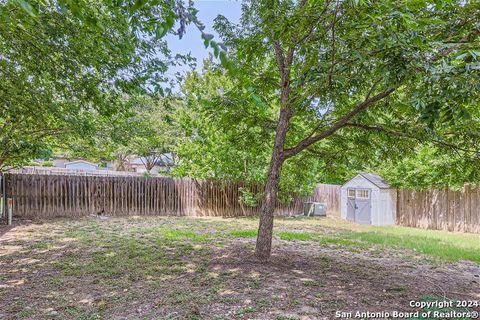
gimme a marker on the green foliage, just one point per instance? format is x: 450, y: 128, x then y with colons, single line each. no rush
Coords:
x: 47, y: 164
x: 228, y: 133
x: 423, y: 55
x: 69, y: 68
x: 154, y: 130
x: 249, y: 198
x: 430, y: 166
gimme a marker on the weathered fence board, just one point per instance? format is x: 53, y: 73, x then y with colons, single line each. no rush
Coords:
x: 440, y: 209
x: 51, y: 195
x: 329, y: 194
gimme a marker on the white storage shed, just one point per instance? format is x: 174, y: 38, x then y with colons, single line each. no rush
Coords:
x: 368, y: 199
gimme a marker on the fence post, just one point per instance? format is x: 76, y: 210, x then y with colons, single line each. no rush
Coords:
x: 467, y: 190
x: 9, y: 211
x: 2, y: 196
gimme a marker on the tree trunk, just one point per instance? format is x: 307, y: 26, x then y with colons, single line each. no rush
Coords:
x: 265, y: 229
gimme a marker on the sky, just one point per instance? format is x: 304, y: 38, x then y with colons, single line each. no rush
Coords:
x: 192, y: 41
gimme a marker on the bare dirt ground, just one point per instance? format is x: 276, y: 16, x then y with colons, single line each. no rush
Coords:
x: 180, y: 268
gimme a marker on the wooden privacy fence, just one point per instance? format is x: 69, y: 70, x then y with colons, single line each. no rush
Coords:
x: 45, y: 196
x: 329, y: 194
x: 52, y: 195
x: 440, y: 209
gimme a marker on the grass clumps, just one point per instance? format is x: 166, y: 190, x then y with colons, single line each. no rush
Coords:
x: 449, y: 249
x: 179, y: 234
x: 293, y: 235
x: 243, y: 233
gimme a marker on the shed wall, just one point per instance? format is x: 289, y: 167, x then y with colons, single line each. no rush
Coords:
x: 383, y: 201
x: 357, y: 182
x: 387, y: 207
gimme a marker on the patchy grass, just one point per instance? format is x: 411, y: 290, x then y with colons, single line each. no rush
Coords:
x: 171, y: 234
x: 447, y: 248
x: 290, y: 236
x: 182, y: 268
x: 244, y: 233
x: 444, y: 245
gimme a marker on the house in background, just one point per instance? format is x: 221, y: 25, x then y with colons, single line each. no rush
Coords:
x: 59, y: 162
x: 81, y: 165
x: 164, y: 163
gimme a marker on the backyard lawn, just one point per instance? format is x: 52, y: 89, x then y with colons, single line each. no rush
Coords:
x: 186, y: 268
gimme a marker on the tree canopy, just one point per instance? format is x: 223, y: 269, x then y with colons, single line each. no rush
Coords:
x: 69, y: 68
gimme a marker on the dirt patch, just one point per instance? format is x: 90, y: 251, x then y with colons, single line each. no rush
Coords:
x: 328, y: 279
x: 162, y: 268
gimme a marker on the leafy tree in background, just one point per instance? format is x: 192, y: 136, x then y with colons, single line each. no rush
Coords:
x: 431, y: 167
x: 218, y: 140
x: 230, y: 141
x: 336, y: 70
x: 156, y: 132
x: 148, y: 131
x: 68, y: 68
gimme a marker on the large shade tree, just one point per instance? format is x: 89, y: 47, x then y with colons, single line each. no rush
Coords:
x: 69, y: 68
x: 405, y: 70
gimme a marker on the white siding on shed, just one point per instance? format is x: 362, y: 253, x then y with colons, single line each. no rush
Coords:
x: 389, y: 204
x: 383, y: 198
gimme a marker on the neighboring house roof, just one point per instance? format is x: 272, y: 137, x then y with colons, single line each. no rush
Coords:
x: 165, y: 160
x: 81, y: 161
x: 375, y: 179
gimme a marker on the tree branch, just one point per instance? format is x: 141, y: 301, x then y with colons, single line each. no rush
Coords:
x: 338, y: 124
x: 409, y: 136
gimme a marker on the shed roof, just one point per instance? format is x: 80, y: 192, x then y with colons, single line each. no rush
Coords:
x: 375, y: 179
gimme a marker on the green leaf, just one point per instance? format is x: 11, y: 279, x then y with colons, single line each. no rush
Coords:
x: 170, y: 20
x: 138, y: 5
x: 27, y: 7
x: 216, y: 50
x: 160, y: 32
x: 225, y: 62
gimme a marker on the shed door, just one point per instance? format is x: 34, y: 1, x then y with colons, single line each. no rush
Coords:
x: 363, y: 206
x: 351, y: 204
